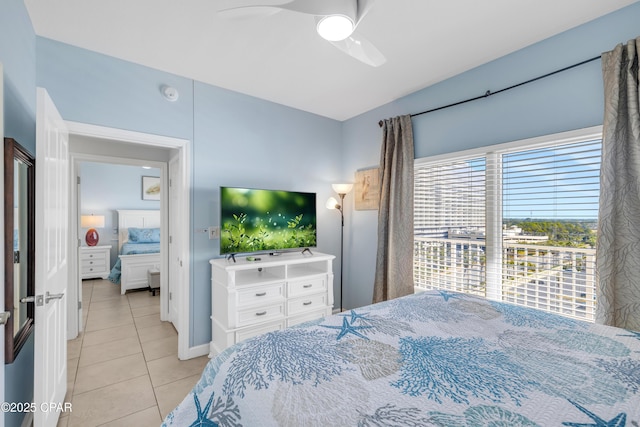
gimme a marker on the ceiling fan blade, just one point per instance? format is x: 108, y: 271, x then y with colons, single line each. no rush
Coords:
x: 364, y: 6
x: 361, y: 49
x: 317, y: 8
x: 249, y: 12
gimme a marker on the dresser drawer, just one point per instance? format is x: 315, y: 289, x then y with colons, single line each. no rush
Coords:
x: 260, y: 314
x: 95, y: 255
x: 307, y: 303
x: 308, y: 286
x: 89, y: 269
x: 96, y: 263
x: 260, y: 295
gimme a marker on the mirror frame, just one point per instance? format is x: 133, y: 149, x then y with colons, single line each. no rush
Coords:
x: 12, y: 151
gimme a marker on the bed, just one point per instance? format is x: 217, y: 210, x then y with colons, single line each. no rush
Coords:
x: 138, y: 248
x: 430, y: 359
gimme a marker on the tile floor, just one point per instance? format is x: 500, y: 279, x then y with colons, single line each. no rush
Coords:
x: 123, y: 370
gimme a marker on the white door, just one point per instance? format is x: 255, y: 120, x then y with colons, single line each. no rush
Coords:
x: 175, y: 238
x: 51, y: 259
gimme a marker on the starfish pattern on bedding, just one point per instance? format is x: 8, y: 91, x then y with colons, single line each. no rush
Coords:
x: 619, y: 420
x: 202, y: 420
x: 446, y: 295
x: 354, y: 316
x: 634, y: 334
x: 348, y: 328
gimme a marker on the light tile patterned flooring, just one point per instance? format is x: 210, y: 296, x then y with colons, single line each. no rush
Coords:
x: 123, y: 370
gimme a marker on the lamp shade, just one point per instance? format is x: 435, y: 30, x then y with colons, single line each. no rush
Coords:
x: 92, y: 221
x: 342, y: 188
x: 332, y: 203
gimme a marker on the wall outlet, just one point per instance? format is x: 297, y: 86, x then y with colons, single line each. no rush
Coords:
x: 214, y: 232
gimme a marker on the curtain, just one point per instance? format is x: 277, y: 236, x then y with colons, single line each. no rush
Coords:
x: 618, y: 247
x: 394, y: 261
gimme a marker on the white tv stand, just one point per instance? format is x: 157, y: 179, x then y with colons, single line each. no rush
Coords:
x: 249, y: 298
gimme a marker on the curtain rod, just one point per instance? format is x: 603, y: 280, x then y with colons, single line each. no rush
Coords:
x: 488, y: 93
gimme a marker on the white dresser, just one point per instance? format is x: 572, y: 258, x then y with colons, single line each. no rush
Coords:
x: 249, y: 298
x: 95, y: 261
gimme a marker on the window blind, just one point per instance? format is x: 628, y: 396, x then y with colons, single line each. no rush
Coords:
x: 539, y: 205
x: 449, y: 225
x: 550, y: 208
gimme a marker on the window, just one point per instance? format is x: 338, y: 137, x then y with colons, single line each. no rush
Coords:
x: 449, y: 225
x: 514, y: 222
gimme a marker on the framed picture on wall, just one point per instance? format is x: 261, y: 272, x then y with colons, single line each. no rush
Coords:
x: 367, y: 189
x: 150, y: 188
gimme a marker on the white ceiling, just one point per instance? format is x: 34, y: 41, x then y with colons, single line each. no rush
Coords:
x: 281, y: 58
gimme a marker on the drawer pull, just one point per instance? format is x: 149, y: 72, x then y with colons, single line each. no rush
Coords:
x: 261, y: 294
x: 307, y: 303
x: 308, y: 286
x: 262, y: 313
x: 90, y: 262
x: 91, y: 256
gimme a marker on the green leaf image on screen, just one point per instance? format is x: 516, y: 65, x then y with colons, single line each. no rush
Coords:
x: 254, y: 220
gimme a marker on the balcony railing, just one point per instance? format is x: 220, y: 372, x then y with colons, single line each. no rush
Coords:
x: 549, y: 278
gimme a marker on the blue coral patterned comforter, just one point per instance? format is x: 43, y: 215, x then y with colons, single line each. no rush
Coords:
x: 429, y: 359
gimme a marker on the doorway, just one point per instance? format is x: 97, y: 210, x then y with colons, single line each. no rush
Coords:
x: 106, y: 145
x: 111, y: 198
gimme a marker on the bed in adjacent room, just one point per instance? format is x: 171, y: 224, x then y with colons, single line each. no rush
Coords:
x: 138, y: 248
x: 431, y: 359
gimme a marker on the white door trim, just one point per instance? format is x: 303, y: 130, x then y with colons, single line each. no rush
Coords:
x: 2, y: 384
x: 184, y: 149
x: 95, y: 131
x: 176, y: 264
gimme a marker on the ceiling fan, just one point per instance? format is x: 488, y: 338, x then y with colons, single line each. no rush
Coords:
x: 336, y: 22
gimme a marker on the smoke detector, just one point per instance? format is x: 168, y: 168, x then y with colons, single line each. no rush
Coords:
x: 169, y: 93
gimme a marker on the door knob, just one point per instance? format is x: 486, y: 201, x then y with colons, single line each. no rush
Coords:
x: 49, y: 297
x: 4, y: 317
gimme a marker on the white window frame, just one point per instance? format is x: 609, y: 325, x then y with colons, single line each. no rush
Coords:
x: 494, y: 219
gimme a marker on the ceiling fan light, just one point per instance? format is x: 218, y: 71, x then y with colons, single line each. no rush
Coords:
x: 335, y: 27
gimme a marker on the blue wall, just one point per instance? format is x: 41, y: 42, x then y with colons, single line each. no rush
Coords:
x: 247, y: 142
x: 17, y: 54
x: 92, y: 88
x: 105, y: 188
x: 237, y: 140
x: 567, y: 101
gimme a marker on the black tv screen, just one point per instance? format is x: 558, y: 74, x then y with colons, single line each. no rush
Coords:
x: 255, y: 220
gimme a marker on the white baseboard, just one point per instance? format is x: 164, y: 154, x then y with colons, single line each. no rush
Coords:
x: 197, y: 351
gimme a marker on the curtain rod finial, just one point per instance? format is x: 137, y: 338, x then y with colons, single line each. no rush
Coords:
x: 380, y: 123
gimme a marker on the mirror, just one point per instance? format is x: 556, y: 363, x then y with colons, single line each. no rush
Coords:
x: 19, y: 222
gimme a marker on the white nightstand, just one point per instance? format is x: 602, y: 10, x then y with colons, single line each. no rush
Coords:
x: 95, y: 261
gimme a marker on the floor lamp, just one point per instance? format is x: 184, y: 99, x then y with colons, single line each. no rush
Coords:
x: 332, y: 203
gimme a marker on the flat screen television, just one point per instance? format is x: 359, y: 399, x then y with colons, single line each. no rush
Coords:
x: 259, y: 220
